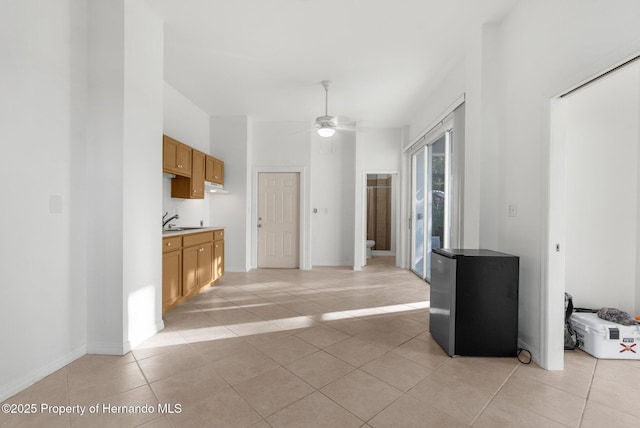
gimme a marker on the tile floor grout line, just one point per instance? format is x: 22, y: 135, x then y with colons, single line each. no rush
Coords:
x: 340, y: 405
x: 494, y: 394
x: 66, y: 377
x: 586, y: 399
x: 355, y: 299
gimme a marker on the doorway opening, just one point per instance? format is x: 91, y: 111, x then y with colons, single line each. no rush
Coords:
x: 594, y: 195
x: 380, y: 237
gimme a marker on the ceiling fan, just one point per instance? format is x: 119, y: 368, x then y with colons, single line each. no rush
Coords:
x: 327, y: 125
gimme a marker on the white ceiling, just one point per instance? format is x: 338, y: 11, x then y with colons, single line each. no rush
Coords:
x: 266, y: 58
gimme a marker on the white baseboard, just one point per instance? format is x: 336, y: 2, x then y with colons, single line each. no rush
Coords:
x: 383, y: 253
x: 241, y: 269
x: 14, y: 387
x: 149, y: 332
x: 106, y: 348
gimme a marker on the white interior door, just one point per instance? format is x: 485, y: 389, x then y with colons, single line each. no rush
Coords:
x: 278, y: 219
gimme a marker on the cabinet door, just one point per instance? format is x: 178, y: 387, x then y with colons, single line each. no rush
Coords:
x: 214, y: 170
x: 169, y: 154
x: 190, y: 187
x: 205, y: 260
x: 197, y: 175
x: 208, y: 168
x: 218, y: 259
x: 183, y: 159
x: 171, y: 277
x: 189, y: 270
x: 176, y: 157
x: 218, y: 171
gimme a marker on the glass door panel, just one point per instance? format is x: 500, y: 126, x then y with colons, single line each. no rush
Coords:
x: 431, y: 207
x: 418, y: 214
x: 437, y: 196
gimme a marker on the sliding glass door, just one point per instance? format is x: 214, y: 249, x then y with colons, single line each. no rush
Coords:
x: 418, y: 215
x: 431, y: 205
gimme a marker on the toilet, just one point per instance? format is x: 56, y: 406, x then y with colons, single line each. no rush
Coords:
x: 370, y: 245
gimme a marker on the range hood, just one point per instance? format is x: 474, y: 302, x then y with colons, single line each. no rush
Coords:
x: 214, y: 188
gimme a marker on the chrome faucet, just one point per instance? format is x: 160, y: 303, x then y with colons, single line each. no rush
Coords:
x: 164, y: 222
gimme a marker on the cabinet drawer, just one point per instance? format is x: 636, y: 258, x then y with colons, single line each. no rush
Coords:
x: 197, y: 238
x: 171, y: 244
x: 218, y: 234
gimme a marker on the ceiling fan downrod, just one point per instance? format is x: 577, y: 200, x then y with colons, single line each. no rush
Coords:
x: 325, y: 84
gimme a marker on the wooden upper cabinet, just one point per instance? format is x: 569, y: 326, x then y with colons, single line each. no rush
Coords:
x: 191, y: 187
x: 214, y: 170
x: 197, y: 175
x: 176, y: 157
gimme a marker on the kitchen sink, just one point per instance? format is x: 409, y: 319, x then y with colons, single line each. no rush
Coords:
x: 177, y: 229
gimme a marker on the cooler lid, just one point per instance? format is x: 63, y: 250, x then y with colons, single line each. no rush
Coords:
x: 592, y: 323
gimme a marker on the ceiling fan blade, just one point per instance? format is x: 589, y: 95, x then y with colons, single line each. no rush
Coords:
x: 346, y: 128
x: 345, y: 121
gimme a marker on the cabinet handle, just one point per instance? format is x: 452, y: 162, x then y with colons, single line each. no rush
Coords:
x: 168, y: 244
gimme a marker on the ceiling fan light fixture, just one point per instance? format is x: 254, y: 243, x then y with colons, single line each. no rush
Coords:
x: 326, y: 131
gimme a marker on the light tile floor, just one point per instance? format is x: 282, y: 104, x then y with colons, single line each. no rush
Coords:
x: 328, y: 347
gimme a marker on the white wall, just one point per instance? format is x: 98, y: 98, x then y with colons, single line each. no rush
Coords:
x: 43, y: 268
x: 333, y: 195
x: 187, y: 123
x: 141, y: 192
x: 83, y: 130
x: 123, y: 153
x: 105, y: 175
x: 329, y: 184
x: 377, y: 150
x: 602, y: 192
x: 284, y: 146
x: 231, y: 141
x: 329, y: 174
x: 538, y: 61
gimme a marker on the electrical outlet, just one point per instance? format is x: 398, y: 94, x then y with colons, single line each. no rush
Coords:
x: 512, y: 210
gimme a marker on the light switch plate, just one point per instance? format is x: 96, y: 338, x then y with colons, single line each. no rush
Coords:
x: 55, y: 204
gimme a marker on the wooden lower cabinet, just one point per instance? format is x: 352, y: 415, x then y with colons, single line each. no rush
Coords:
x: 171, y: 271
x: 198, y: 263
x: 189, y: 270
x: 197, y: 269
x: 218, y: 254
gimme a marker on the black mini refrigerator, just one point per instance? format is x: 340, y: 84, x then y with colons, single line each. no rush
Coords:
x: 474, y: 302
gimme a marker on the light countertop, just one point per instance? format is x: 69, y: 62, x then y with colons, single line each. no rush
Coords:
x: 176, y: 231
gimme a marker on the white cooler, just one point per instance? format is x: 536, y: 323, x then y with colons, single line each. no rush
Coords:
x: 606, y: 339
